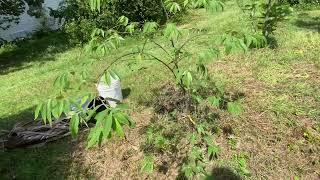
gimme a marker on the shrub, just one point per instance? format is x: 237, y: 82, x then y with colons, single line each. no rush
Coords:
x: 79, y: 32
x: 80, y: 20
x: 141, y: 10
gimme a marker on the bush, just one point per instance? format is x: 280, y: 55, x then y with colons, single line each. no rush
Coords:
x: 79, y: 31
x: 141, y: 10
x: 80, y: 20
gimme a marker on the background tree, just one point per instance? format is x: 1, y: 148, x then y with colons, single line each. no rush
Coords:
x: 10, y: 10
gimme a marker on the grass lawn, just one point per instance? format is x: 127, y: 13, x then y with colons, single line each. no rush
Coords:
x: 278, y: 132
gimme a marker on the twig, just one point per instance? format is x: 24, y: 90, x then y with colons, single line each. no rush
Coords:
x: 191, y: 120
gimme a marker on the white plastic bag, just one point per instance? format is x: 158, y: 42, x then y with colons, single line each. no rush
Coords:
x: 112, y: 93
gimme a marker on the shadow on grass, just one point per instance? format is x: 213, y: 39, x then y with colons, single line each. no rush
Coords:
x: 222, y: 173
x: 51, y: 160
x: 39, y: 49
x: 7, y: 123
x: 308, y: 22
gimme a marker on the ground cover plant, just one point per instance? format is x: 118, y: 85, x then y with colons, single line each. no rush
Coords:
x: 275, y: 135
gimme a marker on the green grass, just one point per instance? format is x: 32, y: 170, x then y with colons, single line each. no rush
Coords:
x: 281, y: 87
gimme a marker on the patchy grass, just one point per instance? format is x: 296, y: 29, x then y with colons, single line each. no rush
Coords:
x: 277, y: 135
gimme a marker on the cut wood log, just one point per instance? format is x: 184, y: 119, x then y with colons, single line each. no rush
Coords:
x: 34, y: 132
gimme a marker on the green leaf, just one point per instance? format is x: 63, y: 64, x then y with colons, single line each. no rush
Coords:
x: 119, y: 129
x: 97, y: 32
x: 108, y: 125
x: 187, y: 79
x: 193, y: 138
x: 202, y: 69
x: 74, y: 125
x: 92, y: 112
x: 173, y: 7
x: 150, y: 27
x: 44, y: 113
x: 94, y: 137
x: 199, y: 99
x: 185, y: 3
x: 131, y: 28
x: 196, y: 153
x: 123, y: 20
x: 147, y: 164
x: 37, y: 111
x: 85, y: 99
x: 98, y: 7
x: 113, y: 74
x: 209, y: 55
x: 95, y: 5
x: 66, y: 106
x: 55, y: 112
x: 122, y: 119
x: 188, y: 171
x: 49, y: 118
x: 200, y: 129
x: 100, y: 116
x: 60, y: 106
x: 107, y: 78
x: 214, y: 101
x: 171, y: 31
x: 213, y: 151
x: 214, y: 6
x: 234, y: 108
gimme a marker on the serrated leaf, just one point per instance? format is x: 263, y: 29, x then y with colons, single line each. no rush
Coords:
x: 121, y: 118
x: 199, y: 99
x: 188, y: 171
x: 107, y: 78
x: 49, y: 118
x: 171, y: 31
x: 200, y: 129
x: 92, y: 112
x: 147, y: 165
x: 119, y: 129
x: 44, y: 113
x: 185, y: 3
x: 214, y: 6
x: 60, y: 106
x: 74, y: 125
x: 187, y: 79
x: 173, y: 7
x: 123, y: 20
x: 131, y: 28
x: 101, y: 116
x: 234, y: 108
x: 84, y: 100
x: 94, y: 136
x: 66, y: 106
x: 113, y: 74
x: 213, y: 151
x: 214, y: 101
x: 150, y: 27
x: 37, y: 110
x: 108, y: 125
x: 208, y: 55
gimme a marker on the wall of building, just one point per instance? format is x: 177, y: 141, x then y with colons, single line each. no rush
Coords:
x: 28, y: 25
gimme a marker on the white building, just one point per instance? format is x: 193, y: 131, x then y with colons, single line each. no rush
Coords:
x: 28, y: 24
